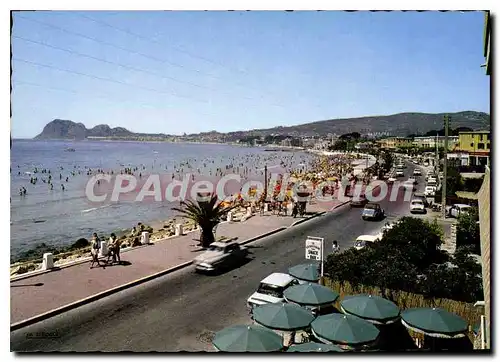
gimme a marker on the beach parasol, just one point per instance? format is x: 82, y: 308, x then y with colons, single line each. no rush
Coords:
x: 243, y: 338
x: 282, y: 316
x: 344, y: 329
x: 371, y: 308
x: 314, y: 347
x: 310, y: 294
x: 434, y: 322
x: 308, y: 272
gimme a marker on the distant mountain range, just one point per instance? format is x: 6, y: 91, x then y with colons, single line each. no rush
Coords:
x: 401, y: 124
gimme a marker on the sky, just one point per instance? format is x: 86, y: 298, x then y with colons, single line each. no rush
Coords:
x: 186, y: 72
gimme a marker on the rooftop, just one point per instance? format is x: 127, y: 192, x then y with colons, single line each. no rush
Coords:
x: 278, y: 279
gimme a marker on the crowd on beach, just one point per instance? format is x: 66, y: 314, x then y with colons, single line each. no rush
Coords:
x: 300, y: 166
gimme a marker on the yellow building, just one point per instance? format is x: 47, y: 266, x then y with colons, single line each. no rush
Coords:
x: 477, y: 145
x: 393, y: 143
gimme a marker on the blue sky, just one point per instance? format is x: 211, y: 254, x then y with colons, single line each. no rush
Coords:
x: 176, y: 72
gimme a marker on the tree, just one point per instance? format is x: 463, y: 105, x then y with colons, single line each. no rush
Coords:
x: 419, y: 239
x: 468, y: 229
x: 388, y: 160
x: 205, y: 213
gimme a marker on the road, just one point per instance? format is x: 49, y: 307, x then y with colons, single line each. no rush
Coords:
x: 182, y: 311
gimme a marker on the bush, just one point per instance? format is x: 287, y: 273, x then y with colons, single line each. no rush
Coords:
x: 408, y: 258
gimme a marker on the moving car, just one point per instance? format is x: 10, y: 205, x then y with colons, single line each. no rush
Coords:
x: 417, y: 172
x: 417, y: 206
x: 408, y: 184
x: 220, y: 255
x: 457, y: 209
x: 412, y: 180
x: 421, y: 196
x: 359, y: 201
x: 400, y: 173
x: 271, y: 289
x: 430, y: 190
x: 372, y: 212
x: 432, y: 181
x: 391, y: 179
x: 362, y: 240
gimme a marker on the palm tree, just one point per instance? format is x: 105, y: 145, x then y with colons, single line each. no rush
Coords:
x: 206, y: 212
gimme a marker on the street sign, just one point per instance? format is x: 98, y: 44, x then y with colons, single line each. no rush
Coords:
x: 314, y: 248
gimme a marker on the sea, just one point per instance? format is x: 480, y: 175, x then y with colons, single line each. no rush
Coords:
x: 59, y: 217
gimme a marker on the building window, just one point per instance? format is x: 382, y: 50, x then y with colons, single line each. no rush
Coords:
x: 472, y: 144
x: 480, y: 146
x: 488, y: 137
x: 481, y: 137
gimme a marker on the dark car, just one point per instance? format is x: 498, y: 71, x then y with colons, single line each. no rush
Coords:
x: 373, y: 212
x: 359, y: 201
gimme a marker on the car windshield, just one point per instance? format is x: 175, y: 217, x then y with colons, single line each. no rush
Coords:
x: 417, y: 202
x: 216, y: 248
x: 272, y: 290
x: 371, y: 207
x: 360, y: 243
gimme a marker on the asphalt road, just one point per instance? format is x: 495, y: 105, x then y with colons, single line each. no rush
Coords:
x: 182, y: 311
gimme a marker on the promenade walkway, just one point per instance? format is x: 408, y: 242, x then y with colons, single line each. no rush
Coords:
x: 42, y: 293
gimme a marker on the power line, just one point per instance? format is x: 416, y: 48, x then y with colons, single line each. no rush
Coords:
x: 154, y: 41
x: 103, y: 79
x: 22, y: 82
x: 109, y: 62
x: 164, y: 61
x: 125, y: 66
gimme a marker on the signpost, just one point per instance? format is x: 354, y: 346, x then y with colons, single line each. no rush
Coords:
x: 315, y: 249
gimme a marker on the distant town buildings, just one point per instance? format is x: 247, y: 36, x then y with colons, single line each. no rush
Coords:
x: 432, y: 141
x: 473, y: 148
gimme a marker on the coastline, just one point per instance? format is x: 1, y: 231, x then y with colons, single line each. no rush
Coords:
x: 161, y: 229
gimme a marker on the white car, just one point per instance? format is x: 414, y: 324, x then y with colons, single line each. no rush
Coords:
x: 430, y: 191
x: 392, y: 179
x: 457, y: 209
x: 412, y: 180
x: 271, y: 290
x: 400, y: 173
x: 362, y: 240
x: 417, y: 172
x: 417, y: 206
x: 432, y: 181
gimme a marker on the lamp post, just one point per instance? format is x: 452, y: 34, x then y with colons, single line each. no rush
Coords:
x: 265, y: 181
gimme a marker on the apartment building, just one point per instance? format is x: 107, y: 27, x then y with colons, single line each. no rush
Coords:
x: 476, y: 145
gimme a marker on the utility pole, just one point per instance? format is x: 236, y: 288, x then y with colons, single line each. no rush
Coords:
x: 447, y: 119
x: 265, y: 181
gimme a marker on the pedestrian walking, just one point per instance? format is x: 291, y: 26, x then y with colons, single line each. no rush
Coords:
x: 335, y: 247
x: 95, y: 246
x: 114, y: 248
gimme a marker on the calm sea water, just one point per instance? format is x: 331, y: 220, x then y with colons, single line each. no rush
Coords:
x: 60, y: 217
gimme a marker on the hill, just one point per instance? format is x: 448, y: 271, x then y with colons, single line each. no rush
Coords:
x: 401, y: 124
x: 64, y: 129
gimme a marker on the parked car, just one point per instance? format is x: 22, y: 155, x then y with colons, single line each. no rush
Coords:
x: 457, y: 209
x: 400, y: 173
x: 432, y: 181
x: 372, y: 212
x: 391, y: 179
x: 271, y: 289
x: 359, y: 201
x: 430, y: 190
x: 417, y: 172
x: 220, y: 255
x: 417, y: 206
x: 362, y: 240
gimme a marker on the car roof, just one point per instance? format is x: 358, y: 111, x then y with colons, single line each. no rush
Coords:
x: 278, y: 279
x: 367, y: 237
x: 221, y: 244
